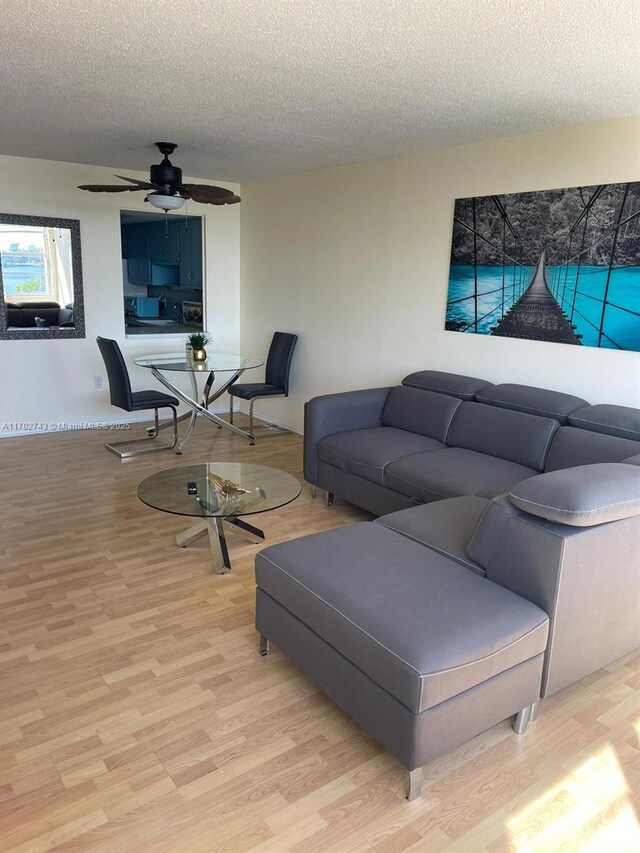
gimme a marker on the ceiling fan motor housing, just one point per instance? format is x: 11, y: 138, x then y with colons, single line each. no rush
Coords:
x: 166, y: 175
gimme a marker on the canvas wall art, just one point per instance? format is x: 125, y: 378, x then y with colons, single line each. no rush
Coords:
x: 561, y: 266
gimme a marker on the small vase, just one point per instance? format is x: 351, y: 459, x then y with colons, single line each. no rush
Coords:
x: 199, y: 355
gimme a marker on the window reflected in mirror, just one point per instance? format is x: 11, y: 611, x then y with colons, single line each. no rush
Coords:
x: 40, y: 278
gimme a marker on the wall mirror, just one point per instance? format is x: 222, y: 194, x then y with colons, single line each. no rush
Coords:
x: 40, y: 278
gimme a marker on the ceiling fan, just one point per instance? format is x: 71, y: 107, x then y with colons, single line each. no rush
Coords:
x: 165, y: 187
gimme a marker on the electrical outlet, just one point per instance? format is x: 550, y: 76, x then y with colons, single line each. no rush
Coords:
x: 97, y: 381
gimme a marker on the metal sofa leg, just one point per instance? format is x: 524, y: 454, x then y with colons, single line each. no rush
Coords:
x: 314, y: 492
x: 520, y: 721
x: 533, y: 714
x: 328, y: 498
x: 414, y: 784
x: 264, y: 646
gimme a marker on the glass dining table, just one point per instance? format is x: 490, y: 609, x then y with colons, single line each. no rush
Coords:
x: 230, y: 365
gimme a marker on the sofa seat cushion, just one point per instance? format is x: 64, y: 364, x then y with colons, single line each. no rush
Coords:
x: 366, y: 452
x: 419, y: 625
x: 444, y: 526
x: 453, y: 472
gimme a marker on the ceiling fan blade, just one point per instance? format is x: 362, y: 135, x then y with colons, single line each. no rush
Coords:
x: 107, y: 188
x: 205, y: 194
x: 143, y: 185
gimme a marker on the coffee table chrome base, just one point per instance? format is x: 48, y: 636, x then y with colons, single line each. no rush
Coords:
x: 215, y: 529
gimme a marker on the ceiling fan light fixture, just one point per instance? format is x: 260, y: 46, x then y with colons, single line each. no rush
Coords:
x: 165, y: 202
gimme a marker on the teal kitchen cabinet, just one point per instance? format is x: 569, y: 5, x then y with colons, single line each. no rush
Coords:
x: 190, y: 252
x: 137, y: 248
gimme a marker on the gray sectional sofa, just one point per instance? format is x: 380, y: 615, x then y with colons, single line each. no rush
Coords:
x: 440, y: 435
x: 505, y: 564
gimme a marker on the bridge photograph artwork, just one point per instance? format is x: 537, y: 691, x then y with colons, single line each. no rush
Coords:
x: 560, y: 265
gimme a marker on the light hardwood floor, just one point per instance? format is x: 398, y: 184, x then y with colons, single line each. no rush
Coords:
x: 137, y: 714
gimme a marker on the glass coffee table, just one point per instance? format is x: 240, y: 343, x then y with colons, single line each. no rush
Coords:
x: 218, y: 494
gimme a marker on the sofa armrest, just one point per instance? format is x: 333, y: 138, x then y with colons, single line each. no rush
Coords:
x: 333, y: 413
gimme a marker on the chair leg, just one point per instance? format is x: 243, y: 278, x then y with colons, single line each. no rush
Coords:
x: 268, y: 427
x: 251, y: 416
x: 137, y: 447
x: 230, y: 409
x: 174, y: 418
x: 152, y: 432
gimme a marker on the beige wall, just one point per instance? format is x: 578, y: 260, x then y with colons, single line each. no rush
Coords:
x: 53, y: 381
x: 355, y: 260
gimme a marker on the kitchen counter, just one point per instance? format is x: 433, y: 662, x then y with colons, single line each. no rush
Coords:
x: 140, y: 327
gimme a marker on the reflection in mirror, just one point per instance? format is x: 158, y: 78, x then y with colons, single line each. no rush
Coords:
x: 40, y: 278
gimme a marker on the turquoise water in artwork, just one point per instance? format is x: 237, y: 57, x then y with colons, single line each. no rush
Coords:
x: 499, y: 287
x: 461, y: 305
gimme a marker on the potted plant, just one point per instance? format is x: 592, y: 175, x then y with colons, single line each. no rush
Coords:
x: 198, y: 342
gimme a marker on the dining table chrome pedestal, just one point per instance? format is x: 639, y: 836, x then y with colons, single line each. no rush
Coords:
x: 230, y: 365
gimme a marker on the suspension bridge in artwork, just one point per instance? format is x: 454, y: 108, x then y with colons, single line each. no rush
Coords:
x: 546, y: 302
x: 537, y: 314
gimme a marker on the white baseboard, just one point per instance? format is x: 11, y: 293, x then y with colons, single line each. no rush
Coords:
x: 269, y: 420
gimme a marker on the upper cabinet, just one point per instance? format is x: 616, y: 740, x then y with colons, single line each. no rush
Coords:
x: 166, y: 253
x: 163, y: 242
x: 190, y: 246
x: 136, y: 241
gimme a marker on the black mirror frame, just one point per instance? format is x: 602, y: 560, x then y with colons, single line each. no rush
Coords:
x: 78, y: 329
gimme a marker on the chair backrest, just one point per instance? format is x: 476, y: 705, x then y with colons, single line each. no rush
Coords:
x: 279, y: 360
x: 119, y: 384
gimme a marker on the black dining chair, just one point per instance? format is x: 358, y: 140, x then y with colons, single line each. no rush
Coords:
x: 276, y: 379
x: 134, y: 401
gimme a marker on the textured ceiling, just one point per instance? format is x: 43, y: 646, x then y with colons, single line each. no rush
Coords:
x: 251, y: 88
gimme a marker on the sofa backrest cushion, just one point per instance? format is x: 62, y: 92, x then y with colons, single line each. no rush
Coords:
x: 514, y: 436
x: 583, y: 496
x: 622, y: 421
x: 14, y: 315
x: 23, y: 314
x: 572, y: 446
x: 533, y: 401
x: 453, y: 384
x: 424, y: 412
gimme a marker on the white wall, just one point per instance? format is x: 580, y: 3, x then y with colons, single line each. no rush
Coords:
x: 355, y: 259
x: 53, y: 381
